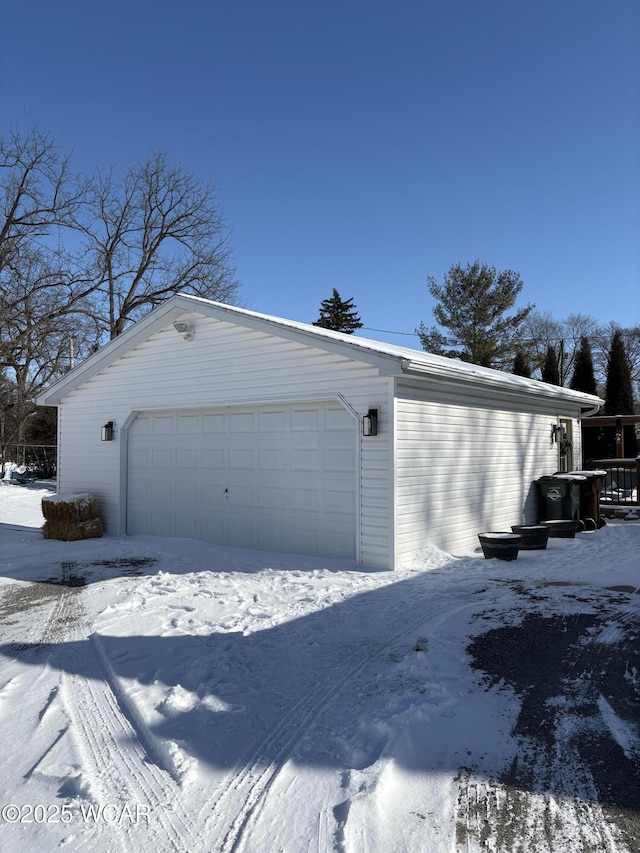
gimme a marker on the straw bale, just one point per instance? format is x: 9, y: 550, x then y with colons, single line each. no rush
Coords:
x: 70, y: 531
x: 71, y: 508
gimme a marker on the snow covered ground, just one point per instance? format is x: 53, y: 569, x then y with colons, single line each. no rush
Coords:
x: 166, y: 694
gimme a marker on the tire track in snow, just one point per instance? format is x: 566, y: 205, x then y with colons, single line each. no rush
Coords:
x: 237, y: 808
x: 115, y: 750
x: 121, y: 768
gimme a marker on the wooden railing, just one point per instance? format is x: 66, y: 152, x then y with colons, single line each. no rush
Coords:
x: 621, y: 484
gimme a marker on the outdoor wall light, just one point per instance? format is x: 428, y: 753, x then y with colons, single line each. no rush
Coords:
x: 185, y: 329
x: 370, y: 422
x: 107, y: 432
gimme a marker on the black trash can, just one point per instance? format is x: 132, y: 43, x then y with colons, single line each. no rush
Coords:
x: 560, y: 495
x: 590, y: 497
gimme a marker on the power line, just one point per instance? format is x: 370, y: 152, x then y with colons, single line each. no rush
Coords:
x: 389, y: 332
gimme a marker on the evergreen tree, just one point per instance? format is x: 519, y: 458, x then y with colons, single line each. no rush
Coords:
x: 521, y: 365
x: 473, y: 302
x: 583, y: 378
x: 619, y: 393
x: 338, y: 314
x: 550, y: 372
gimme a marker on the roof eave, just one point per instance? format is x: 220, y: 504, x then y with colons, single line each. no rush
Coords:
x: 487, y: 379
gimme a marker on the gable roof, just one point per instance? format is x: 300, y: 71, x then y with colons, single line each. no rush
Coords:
x: 388, y: 358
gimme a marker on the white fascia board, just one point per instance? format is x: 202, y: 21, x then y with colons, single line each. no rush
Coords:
x: 486, y: 380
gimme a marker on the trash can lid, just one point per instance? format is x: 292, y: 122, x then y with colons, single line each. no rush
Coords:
x: 597, y: 472
x: 574, y: 476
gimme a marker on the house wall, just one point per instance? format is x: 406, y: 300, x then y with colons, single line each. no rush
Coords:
x: 466, y: 463
x: 225, y: 364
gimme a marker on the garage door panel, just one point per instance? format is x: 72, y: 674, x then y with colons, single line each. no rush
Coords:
x: 188, y: 459
x: 186, y: 492
x: 241, y: 422
x: 340, y: 501
x: 304, y: 420
x: 213, y: 457
x: 305, y: 459
x: 213, y: 494
x: 272, y: 459
x: 339, y: 459
x: 188, y: 425
x: 213, y: 529
x: 187, y: 526
x: 337, y: 419
x: 280, y: 478
x: 272, y: 497
x: 308, y: 499
x: 162, y: 425
x: 241, y: 458
x: 273, y: 422
x: 159, y: 491
x: 241, y: 496
x: 162, y: 458
x: 214, y: 424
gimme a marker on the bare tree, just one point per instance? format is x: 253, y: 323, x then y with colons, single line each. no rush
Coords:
x: 40, y: 198
x: 40, y: 201
x: 44, y: 326
x: 574, y: 328
x: 81, y: 259
x: 154, y: 231
x: 541, y: 334
x: 38, y: 192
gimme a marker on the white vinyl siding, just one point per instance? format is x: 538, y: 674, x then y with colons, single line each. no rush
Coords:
x: 225, y: 365
x: 465, y: 467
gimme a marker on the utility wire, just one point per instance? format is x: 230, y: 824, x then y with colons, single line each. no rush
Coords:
x: 389, y: 332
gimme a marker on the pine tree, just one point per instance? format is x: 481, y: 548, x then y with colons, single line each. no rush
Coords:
x: 472, y: 305
x: 550, y: 372
x: 619, y: 392
x: 338, y: 314
x: 583, y: 378
x: 521, y: 365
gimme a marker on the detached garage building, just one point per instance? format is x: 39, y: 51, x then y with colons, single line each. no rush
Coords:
x: 213, y: 422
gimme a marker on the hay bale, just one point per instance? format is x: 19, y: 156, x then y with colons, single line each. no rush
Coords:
x: 70, y: 531
x: 69, y: 508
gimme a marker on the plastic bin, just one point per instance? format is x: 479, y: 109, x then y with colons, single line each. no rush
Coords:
x: 561, y: 496
x: 590, y: 497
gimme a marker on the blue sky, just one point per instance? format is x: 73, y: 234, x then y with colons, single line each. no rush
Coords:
x: 365, y: 145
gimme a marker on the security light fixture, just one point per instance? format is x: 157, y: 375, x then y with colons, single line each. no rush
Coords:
x: 370, y: 422
x: 185, y: 329
x: 107, y: 431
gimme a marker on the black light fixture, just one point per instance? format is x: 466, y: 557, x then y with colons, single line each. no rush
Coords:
x: 370, y: 423
x: 107, y: 432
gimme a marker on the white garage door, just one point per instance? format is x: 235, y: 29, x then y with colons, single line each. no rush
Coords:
x: 280, y: 478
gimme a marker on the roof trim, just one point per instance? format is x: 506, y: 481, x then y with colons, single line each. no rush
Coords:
x: 389, y: 359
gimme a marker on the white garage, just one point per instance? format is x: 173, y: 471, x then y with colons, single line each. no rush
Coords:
x: 213, y: 422
x: 281, y: 478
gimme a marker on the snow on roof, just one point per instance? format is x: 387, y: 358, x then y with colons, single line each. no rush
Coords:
x: 395, y: 360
